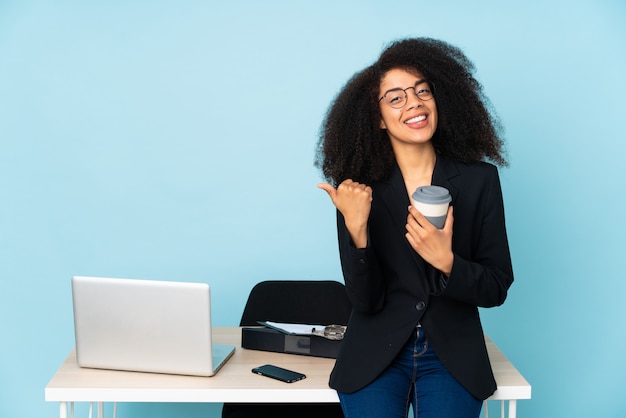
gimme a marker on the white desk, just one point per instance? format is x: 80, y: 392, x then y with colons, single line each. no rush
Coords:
x: 235, y: 382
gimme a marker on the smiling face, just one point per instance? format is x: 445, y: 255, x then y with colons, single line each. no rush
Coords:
x: 415, y: 122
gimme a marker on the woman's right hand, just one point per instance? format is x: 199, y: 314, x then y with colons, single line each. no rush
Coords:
x: 354, y: 201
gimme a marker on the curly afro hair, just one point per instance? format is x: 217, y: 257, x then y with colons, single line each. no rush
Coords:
x: 352, y: 143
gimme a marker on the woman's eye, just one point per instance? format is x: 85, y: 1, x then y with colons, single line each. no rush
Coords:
x: 425, y: 94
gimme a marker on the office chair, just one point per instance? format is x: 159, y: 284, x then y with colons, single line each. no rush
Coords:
x: 293, y: 301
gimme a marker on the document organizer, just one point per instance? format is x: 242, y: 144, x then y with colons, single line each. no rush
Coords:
x: 267, y: 339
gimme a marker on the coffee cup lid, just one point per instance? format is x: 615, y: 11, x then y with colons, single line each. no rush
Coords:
x: 432, y: 194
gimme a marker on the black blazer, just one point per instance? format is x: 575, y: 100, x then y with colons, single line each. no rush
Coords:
x: 392, y: 288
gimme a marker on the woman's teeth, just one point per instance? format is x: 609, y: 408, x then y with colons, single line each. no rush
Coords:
x: 416, y: 119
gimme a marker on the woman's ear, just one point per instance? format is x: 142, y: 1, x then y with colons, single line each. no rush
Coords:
x: 382, y: 124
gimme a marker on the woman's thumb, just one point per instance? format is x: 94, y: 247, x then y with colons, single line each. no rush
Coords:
x: 328, y: 189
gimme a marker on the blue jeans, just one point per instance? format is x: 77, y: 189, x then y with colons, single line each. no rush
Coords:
x: 418, y: 378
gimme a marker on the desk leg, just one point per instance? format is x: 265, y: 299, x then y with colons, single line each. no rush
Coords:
x: 512, y: 408
x: 63, y: 406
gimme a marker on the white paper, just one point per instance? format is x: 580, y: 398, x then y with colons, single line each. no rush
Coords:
x: 300, y: 329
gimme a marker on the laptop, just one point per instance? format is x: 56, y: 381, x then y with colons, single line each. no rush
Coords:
x: 145, y: 326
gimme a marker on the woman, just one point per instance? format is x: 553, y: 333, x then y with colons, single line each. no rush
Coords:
x: 415, y: 117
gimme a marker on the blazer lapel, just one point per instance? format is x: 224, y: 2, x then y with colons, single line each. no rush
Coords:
x: 393, y: 194
x: 444, y: 171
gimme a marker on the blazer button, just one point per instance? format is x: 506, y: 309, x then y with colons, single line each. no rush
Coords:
x: 420, y: 306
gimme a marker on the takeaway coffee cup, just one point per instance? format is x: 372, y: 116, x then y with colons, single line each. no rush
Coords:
x: 432, y: 202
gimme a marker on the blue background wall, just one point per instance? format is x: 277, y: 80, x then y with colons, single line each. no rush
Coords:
x: 167, y: 140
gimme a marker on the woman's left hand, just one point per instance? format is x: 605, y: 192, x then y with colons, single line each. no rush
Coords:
x: 432, y: 244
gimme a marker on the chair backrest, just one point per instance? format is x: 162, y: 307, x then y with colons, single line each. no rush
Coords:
x: 320, y: 302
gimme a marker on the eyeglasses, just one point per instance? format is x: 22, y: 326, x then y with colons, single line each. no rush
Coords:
x: 397, y: 97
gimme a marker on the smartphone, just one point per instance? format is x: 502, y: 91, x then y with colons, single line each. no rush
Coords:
x: 278, y: 373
